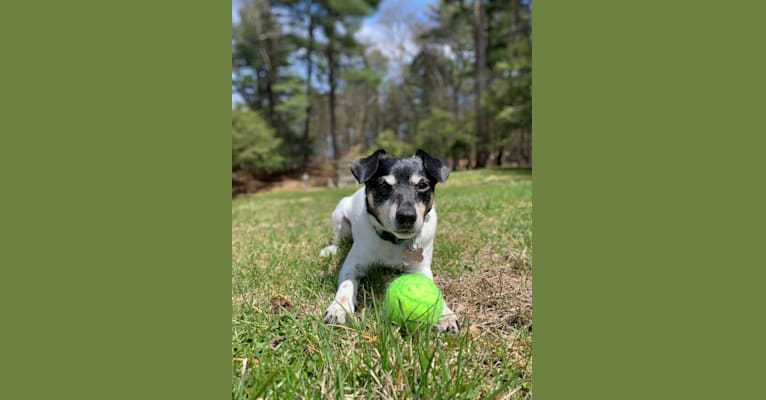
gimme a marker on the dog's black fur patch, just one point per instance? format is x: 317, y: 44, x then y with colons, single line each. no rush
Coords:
x: 365, y: 168
x: 433, y: 166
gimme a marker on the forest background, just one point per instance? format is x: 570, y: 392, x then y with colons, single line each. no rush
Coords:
x: 319, y: 83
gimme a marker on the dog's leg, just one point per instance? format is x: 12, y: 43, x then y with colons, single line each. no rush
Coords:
x: 345, y: 298
x: 448, y: 321
x: 341, y: 229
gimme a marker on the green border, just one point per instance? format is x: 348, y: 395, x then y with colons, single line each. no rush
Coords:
x: 648, y: 167
x: 116, y: 199
x: 648, y: 198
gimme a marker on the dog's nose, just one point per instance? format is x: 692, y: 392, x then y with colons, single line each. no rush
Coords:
x: 406, y: 216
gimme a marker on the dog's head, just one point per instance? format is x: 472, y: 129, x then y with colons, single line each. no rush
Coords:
x: 400, y: 191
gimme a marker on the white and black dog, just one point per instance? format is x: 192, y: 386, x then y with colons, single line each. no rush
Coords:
x: 392, y: 221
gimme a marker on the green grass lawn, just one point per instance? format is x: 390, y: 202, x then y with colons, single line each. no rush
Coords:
x: 482, y: 263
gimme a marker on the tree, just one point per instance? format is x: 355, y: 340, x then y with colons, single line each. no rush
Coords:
x: 448, y: 69
x: 253, y: 145
x: 509, y: 98
x: 456, y: 82
x: 479, y: 82
x: 338, y: 20
x: 359, y: 98
x: 300, y: 16
x: 309, y: 76
x: 395, y: 147
x: 258, y: 54
x: 262, y: 74
x: 445, y: 134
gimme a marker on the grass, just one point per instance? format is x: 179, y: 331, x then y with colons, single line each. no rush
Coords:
x: 280, y: 288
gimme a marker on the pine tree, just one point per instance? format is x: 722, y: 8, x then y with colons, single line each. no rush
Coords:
x: 338, y: 20
x: 479, y: 82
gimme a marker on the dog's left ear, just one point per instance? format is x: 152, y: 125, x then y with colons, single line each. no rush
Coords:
x: 434, y: 167
x: 365, y: 168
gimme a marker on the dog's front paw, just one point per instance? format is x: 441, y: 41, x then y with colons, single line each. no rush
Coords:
x: 328, y: 251
x: 337, y: 313
x: 448, y: 323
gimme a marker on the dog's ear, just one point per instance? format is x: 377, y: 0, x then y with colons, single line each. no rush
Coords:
x: 434, y: 167
x: 365, y: 168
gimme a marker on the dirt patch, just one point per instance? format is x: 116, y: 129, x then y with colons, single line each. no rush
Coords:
x: 242, y: 182
x: 496, y: 299
x: 280, y: 304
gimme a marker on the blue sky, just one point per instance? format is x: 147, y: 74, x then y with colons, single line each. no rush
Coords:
x: 416, y: 5
x: 374, y: 32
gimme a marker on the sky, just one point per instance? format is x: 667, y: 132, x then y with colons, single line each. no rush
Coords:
x: 374, y: 32
x: 413, y: 4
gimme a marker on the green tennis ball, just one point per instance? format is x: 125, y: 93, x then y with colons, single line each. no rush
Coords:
x: 413, y: 299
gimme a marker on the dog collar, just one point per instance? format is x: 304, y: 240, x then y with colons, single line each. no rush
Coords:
x: 390, y: 237
x: 383, y: 234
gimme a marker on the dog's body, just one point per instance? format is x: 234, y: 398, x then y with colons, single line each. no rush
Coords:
x: 392, y: 221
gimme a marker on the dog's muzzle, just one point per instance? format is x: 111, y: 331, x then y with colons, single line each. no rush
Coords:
x: 406, y: 217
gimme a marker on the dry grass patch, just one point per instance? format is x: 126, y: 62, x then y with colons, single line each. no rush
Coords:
x: 497, y: 305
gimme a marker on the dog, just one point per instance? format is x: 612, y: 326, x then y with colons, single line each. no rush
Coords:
x: 392, y: 221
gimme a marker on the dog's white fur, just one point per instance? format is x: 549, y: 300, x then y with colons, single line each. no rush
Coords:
x: 351, y: 220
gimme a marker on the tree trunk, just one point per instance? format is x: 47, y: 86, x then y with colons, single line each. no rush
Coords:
x: 482, y: 140
x: 333, y: 135
x: 458, y: 84
x: 471, y: 156
x: 499, y: 160
x: 270, y: 95
x: 309, y: 70
x: 455, y: 104
x: 347, y: 99
x: 362, y: 130
x: 256, y: 101
x: 268, y: 68
x: 526, y: 153
x: 514, y: 28
x: 369, y: 134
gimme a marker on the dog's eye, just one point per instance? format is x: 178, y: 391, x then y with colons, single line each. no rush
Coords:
x: 383, y: 183
x: 423, y: 185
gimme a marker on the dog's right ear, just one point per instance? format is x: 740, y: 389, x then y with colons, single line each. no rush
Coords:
x: 365, y: 168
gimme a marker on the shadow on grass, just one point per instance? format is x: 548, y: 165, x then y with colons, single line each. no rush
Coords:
x: 373, y: 285
x: 513, y: 170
